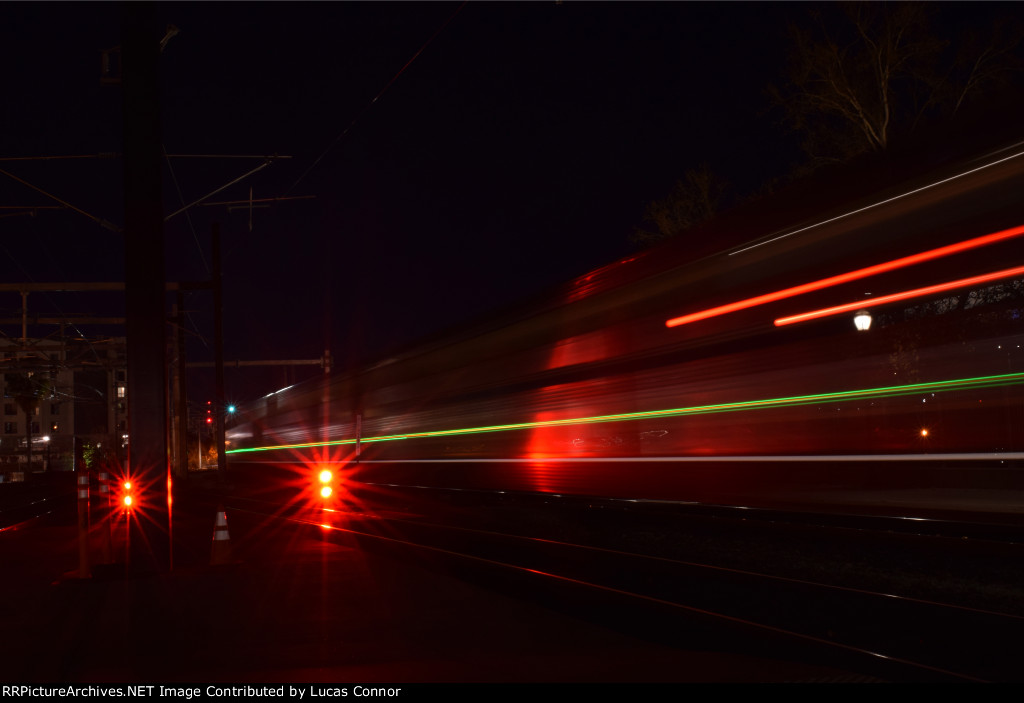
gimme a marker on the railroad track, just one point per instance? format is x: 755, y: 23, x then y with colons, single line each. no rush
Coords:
x: 18, y: 515
x: 882, y: 635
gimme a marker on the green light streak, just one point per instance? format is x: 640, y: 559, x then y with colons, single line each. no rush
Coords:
x: 790, y: 401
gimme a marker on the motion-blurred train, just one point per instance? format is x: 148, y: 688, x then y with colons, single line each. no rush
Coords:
x: 767, y: 359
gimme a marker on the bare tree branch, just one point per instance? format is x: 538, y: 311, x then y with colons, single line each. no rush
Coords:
x: 861, y: 73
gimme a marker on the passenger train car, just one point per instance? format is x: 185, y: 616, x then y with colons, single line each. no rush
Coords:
x: 726, y: 367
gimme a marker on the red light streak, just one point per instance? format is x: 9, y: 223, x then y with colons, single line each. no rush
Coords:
x: 905, y: 295
x: 849, y: 276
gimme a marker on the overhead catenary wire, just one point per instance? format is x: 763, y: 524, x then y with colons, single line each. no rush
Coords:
x: 114, y: 155
x: 98, y: 220
x: 223, y: 187
x: 101, y: 155
x: 375, y: 98
x: 60, y: 313
x: 188, y: 216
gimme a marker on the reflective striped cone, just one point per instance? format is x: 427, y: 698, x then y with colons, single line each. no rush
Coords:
x: 83, y: 523
x: 221, y: 552
x: 105, y: 516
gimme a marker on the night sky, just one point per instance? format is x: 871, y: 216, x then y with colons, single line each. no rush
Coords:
x: 516, y: 151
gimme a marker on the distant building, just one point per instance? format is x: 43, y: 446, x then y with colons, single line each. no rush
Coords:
x: 69, y: 395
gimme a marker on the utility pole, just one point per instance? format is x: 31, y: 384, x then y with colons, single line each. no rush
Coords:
x: 218, y: 323
x: 179, y: 423
x: 144, y: 287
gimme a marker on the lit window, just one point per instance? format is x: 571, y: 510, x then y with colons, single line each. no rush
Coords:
x: 120, y: 391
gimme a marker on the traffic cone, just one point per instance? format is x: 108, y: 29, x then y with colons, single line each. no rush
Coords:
x: 104, y: 518
x: 221, y: 552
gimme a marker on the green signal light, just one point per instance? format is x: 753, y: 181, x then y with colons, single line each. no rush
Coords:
x: 784, y: 402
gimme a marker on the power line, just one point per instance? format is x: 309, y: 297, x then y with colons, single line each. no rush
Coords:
x: 226, y: 185
x: 188, y: 216
x: 114, y: 155
x: 101, y: 222
x: 376, y: 98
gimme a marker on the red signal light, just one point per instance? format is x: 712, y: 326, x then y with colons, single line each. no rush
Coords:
x: 326, y: 477
x: 127, y: 497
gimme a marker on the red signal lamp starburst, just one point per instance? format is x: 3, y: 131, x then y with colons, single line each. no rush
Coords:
x: 326, y: 476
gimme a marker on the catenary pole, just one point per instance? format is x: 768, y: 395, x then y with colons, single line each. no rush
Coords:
x: 148, y: 462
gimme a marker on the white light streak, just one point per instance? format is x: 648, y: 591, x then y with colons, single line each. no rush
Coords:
x: 878, y: 204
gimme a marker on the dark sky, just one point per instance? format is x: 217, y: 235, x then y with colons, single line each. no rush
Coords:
x: 516, y: 151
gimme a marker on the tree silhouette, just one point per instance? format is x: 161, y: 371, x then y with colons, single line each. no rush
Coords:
x: 862, y: 74
x: 694, y: 199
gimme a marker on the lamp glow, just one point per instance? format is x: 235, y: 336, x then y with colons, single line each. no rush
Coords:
x: 862, y: 321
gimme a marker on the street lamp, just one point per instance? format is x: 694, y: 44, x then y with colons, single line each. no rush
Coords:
x: 862, y: 320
